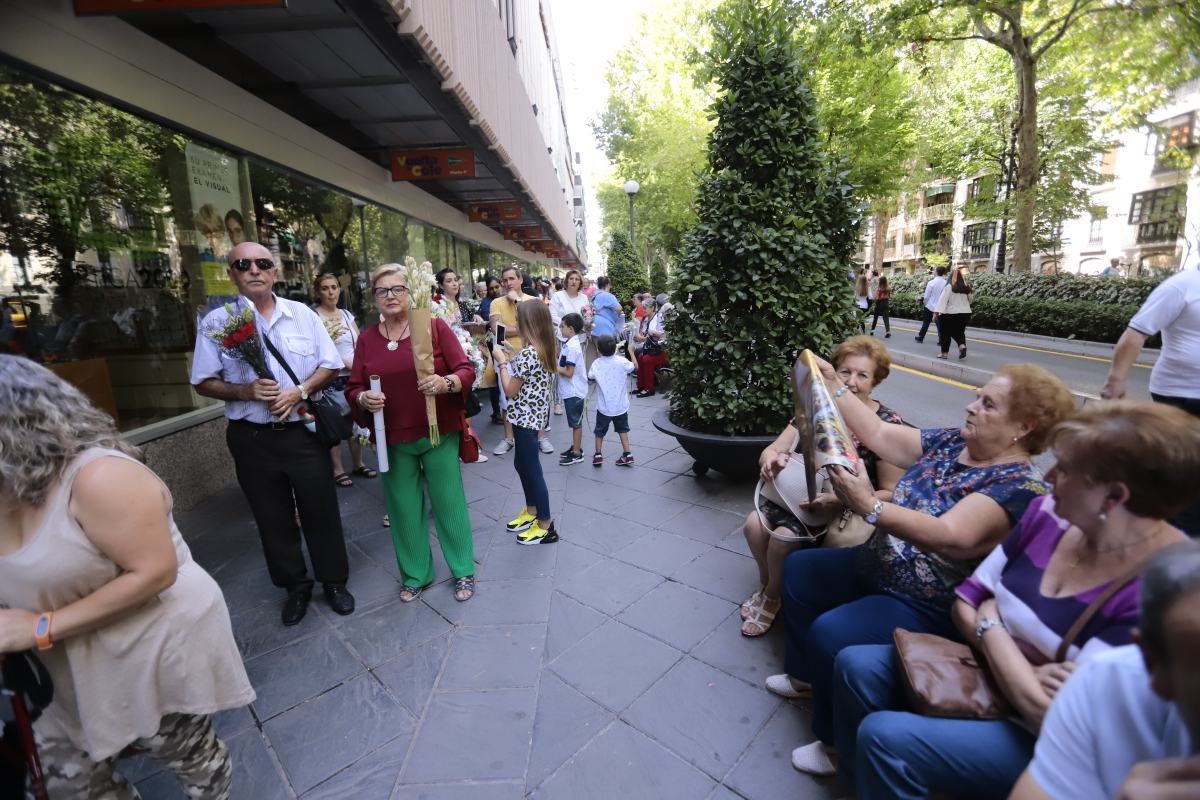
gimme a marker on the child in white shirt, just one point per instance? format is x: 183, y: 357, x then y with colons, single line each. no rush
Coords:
x: 610, y: 373
x: 572, y: 385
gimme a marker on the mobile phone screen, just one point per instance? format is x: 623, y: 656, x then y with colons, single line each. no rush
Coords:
x: 499, y: 333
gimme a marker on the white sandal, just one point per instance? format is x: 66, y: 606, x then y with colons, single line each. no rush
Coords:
x: 753, y: 601
x: 760, y: 619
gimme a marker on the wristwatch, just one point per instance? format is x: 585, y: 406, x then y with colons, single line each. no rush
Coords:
x: 41, y: 631
x: 449, y: 384
x: 303, y: 392
x: 985, y: 623
x: 873, y: 517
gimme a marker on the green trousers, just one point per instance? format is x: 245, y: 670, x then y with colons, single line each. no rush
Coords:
x: 405, y: 497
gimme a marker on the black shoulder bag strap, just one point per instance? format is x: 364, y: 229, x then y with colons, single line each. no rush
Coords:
x: 328, y: 415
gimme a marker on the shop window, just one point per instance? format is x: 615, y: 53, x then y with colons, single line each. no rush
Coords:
x: 114, y: 232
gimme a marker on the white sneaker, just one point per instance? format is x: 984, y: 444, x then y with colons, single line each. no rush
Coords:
x: 782, y: 685
x: 482, y: 459
x: 813, y: 759
x: 502, y: 448
x: 545, y: 446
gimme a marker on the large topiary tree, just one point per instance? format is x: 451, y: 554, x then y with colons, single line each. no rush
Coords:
x: 658, y: 276
x: 625, y: 269
x: 765, y: 272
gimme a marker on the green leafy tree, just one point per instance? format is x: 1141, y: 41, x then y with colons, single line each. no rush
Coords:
x: 68, y: 164
x: 1032, y: 33
x: 764, y: 272
x: 654, y: 124
x: 626, y: 271
x: 658, y: 276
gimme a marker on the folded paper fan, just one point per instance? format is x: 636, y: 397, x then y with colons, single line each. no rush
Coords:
x: 824, y: 438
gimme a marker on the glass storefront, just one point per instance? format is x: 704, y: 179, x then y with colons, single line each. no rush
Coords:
x: 113, y: 236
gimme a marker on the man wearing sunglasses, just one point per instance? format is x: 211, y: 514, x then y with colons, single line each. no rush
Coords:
x: 281, y: 467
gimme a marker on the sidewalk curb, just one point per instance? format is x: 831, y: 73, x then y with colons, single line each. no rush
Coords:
x: 972, y: 376
x: 1077, y: 347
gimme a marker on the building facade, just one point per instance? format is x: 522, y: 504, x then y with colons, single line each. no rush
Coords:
x: 1146, y: 220
x: 137, y: 146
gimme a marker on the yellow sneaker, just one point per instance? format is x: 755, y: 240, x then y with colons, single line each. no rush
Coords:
x: 522, y: 522
x: 538, y: 535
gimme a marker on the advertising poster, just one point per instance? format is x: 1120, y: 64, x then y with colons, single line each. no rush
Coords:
x: 217, y: 219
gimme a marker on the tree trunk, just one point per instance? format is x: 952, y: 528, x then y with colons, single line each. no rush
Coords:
x: 875, y: 259
x: 1007, y: 168
x: 1025, y: 186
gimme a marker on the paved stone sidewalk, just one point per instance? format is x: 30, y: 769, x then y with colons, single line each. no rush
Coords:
x: 608, y: 665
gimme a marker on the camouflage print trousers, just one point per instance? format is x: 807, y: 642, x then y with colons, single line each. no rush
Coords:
x: 186, y: 744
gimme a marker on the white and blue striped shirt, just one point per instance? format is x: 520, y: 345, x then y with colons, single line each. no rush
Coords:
x: 295, y: 330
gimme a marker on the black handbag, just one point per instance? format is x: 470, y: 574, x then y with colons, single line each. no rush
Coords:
x: 331, y: 426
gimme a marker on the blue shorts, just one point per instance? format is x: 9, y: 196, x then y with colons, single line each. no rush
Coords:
x: 574, y: 408
x: 620, y: 423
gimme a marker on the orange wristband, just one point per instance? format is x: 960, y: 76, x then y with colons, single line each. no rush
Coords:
x: 41, y: 631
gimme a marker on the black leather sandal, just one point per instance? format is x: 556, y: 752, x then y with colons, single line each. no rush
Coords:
x: 464, y: 588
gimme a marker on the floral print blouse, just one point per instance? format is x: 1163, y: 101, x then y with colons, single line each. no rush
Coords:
x: 932, y: 486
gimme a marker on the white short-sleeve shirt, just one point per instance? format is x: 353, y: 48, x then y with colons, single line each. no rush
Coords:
x: 1174, y: 309
x: 577, y: 384
x: 612, y: 392
x: 295, y: 330
x: 1104, y: 720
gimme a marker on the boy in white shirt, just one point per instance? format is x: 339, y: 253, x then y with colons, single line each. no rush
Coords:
x: 572, y: 385
x: 610, y: 373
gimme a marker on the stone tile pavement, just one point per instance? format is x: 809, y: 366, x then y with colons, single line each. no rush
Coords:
x: 608, y: 665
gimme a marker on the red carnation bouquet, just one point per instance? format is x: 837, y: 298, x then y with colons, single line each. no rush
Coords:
x: 238, y: 338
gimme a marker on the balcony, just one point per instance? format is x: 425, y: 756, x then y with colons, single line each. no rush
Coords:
x: 937, y: 213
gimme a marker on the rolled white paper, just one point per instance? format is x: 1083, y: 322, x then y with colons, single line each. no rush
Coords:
x: 380, y: 434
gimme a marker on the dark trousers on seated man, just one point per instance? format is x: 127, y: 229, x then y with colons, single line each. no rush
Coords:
x: 282, y: 470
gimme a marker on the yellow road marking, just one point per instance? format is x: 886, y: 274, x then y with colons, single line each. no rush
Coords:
x: 933, y: 377
x: 1035, y: 349
x: 962, y: 385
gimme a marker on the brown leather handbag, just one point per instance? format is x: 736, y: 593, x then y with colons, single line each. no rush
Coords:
x: 949, y: 679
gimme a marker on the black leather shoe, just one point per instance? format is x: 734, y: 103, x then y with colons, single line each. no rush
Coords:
x: 339, y: 598
x: 295, y: 608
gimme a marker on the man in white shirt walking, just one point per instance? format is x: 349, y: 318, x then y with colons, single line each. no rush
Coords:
x: 933, y: 290
x: 1173, y: 309
x: 281, y: 467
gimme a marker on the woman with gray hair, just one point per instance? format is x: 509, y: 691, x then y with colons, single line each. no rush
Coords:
x: 95, y: 575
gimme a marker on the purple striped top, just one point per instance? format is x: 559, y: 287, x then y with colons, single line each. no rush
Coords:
x: 1013, y: 573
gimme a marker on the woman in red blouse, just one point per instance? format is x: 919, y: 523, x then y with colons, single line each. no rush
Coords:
x: 385, y: 350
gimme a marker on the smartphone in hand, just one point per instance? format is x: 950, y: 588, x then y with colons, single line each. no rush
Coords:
x: 500, y: 331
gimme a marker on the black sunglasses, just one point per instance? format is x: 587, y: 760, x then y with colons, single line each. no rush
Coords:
x: 244, y: 264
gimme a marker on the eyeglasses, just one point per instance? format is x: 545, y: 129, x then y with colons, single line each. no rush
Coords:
x: 244, y: 264
x: 395, y: 291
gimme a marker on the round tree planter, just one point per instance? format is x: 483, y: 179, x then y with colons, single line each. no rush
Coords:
x: 735, y: 456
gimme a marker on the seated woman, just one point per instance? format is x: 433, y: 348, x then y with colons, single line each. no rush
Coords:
x: 862, y: 363
x: 95, y: 574
x: 962, y: 493
x: 1121, y: 469
x: 654, y: 347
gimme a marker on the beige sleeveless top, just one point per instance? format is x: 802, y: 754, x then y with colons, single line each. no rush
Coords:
x: 174, y: 654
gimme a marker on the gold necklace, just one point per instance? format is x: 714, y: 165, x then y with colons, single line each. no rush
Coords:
x: 1158, y: 529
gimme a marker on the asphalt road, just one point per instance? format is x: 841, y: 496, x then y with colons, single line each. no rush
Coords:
x: 1082, y: 371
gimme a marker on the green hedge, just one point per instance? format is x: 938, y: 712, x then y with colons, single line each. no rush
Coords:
x: 1081, y: 319
x: 1062, y: 287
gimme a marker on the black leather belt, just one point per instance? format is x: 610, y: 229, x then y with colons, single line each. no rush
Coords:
x: 268, y: 426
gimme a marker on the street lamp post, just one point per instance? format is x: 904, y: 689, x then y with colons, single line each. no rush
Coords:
x: 631, y: 189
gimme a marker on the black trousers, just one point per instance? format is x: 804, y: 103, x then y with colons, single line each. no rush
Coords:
x: 1187, y: 520
x: 926, y: 318
x: 283, y: 471
x: 952, y: 326
x: 881, y: 310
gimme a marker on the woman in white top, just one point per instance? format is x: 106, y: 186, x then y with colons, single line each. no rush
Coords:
x: 96, y: 576
x: 569, y: 300
x: 861, y: 290
x: 344, y: 332
x: 953, y: 312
